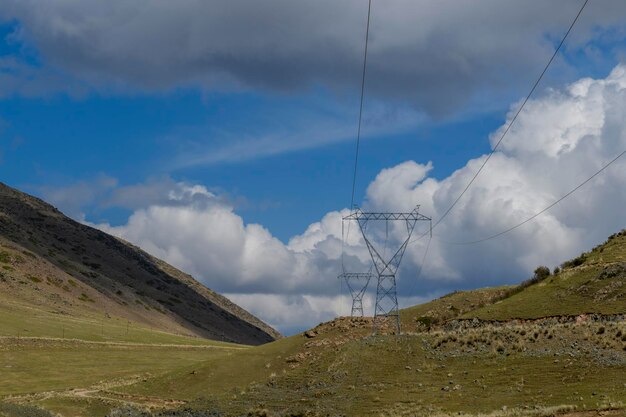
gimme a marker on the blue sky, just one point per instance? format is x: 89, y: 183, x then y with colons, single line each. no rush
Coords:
x: 260, y: 106
x: 57, y: 141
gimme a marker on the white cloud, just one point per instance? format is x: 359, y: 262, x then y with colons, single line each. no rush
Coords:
x: 435, y: 55
x: 561, y: 139
x: 212, y: 242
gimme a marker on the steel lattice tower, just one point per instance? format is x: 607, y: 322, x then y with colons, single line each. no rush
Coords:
x: 387, y: 268
x: 357, y: 283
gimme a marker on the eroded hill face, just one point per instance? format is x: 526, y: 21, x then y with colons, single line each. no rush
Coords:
x: 51, y: 265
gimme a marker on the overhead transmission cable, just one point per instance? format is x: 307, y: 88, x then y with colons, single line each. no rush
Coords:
x: 539, y: 213
x: 519, y: 110
x: 358, y: 134
x: 510, y: 124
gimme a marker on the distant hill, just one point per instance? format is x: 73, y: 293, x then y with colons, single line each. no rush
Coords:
x: 55, y: 272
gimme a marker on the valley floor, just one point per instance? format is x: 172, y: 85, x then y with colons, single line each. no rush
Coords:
x: 512, y: 369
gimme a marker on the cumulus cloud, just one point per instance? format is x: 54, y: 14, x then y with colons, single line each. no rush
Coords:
x: 560, y: 140
x: 435, y: 55
x: 103, y: 192
x: 213, y: 243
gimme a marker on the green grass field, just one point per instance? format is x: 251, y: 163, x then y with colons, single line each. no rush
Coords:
x: 341, y: 370
x: 361, y: 377
x: 437, y: 368
x: 18, y: 319
x: 72, y: 377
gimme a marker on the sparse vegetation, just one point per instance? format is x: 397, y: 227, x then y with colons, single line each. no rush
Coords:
x: 5, y: 257
x: 16, y: 410
x: 184, y: 412
x: 572, y: 263
x: 34, y: 279
x: 541, y: 273
x: 85, y: 297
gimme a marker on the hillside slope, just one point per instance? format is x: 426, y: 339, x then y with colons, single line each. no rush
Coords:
x: 52, y: 265
x: 593, y: 283
x: 440, y: 366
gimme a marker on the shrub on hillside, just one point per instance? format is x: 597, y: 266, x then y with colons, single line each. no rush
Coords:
x: 572, y: 263
x: 541, y: 273
x: 426, y: 322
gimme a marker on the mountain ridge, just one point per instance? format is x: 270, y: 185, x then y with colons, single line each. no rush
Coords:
x: 86, y: 268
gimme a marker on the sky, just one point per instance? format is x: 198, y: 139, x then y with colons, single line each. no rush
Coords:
x: 220, y: 135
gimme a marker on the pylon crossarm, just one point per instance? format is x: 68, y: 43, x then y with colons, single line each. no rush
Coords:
x: 358, y: 214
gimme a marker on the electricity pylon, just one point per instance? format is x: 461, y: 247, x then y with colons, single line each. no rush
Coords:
x: 387, y: 266
x: 357, y: 283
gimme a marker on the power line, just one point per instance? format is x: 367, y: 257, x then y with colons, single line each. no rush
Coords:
x: 532, y: 90
x: 510, y: 229
x: 491, y: 153
x: 539, y: 213
x: 508, y: 128
x: 358, y: 135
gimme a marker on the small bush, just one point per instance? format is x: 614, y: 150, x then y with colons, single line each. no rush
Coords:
x: 426, y: 321
x: 541, y: 273
x: 574, y: 262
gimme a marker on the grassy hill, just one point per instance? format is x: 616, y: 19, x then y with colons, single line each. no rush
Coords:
x: 485, y: 370
x: 543, y: 367
x: 446, y: 363
x: 60, y: 278
x: 594, y: 282
x: 451, y: 306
